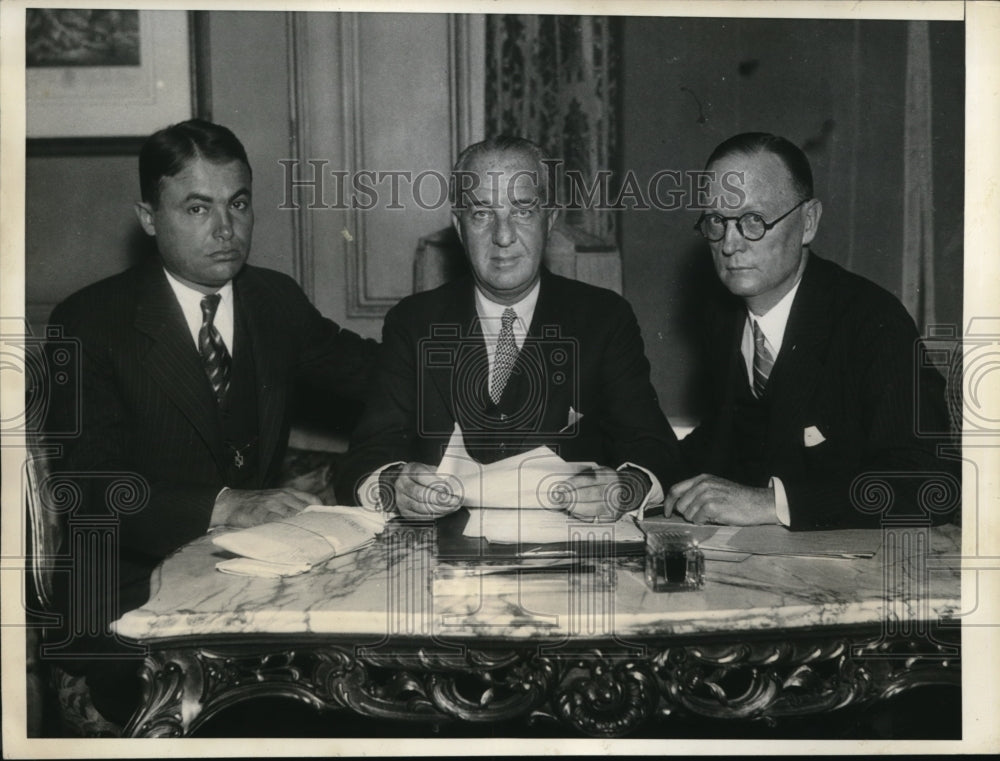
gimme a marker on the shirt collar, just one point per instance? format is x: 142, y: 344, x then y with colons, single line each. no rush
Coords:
x: 490, y: 312
x: 774, y: 322
x: 188, y: 295
x: 190, y: 303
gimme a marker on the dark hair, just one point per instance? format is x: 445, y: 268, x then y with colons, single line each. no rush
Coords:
x: 501, y: 144
x: 751, y: 143
x: 168, y: 151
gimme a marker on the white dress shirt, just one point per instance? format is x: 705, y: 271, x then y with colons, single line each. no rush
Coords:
x: 772, y: 325
x: 190, y: 301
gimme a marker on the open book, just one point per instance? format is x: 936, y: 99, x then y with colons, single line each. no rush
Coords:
x: 293, y: 545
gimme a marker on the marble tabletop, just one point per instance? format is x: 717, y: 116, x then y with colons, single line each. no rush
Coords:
x: 399, y: 587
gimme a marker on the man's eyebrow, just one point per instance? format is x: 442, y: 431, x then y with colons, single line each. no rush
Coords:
x: 195, y: 196
x: 531, y: 200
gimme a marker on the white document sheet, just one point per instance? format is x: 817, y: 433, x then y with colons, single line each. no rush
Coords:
x: 546, y: 527
x: 534, y: 479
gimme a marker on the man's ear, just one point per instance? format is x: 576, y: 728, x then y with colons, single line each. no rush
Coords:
x: 813, y: 212
x: 456, y: 223
x: 144, y: 213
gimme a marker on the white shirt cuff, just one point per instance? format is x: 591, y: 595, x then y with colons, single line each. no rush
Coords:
x: 368, y: 494
x: 655, y: 494
x: 780, y: 501
x: 214, y: 521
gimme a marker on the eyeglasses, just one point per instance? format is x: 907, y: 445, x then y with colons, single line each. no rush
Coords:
x: 751, y: 225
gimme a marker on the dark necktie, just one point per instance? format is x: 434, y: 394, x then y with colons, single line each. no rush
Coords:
x: 505, y: 357
x: 218, y: 363
x: 762, y: 361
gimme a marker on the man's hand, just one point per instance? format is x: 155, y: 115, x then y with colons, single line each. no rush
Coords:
x: 710, y: 499
x: 603, y: 495
x: 419, y: 492
x: 242, y: 508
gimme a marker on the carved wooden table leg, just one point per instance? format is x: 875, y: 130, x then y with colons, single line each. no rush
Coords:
x: 171, y: 694
x: 185, y: 687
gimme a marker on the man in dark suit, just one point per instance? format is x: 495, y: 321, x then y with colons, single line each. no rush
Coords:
x: 514, y: 355
x: 188, y: 363
x: 814, y: 372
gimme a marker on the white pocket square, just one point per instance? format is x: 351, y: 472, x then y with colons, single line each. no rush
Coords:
x: 572, y: 419
x: 811, y: 436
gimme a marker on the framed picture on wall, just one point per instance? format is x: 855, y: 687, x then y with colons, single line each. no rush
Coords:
x: 100, y: 81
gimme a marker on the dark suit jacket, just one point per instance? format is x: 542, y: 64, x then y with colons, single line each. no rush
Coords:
x: 583, y: 352
x: 146, y: 407
x: 848, y: 367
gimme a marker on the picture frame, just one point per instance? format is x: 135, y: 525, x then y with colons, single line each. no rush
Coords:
x: 170, y: 83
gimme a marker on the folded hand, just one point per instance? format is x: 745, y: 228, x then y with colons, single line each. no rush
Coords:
x: 420, y: 493
x: 710, y: 499
x: 602, y: 495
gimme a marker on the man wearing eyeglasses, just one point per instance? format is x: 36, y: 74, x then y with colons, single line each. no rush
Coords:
x: 813, y: 372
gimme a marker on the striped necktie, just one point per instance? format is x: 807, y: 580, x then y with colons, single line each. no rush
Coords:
x: 218, y: 363
x: 762, y: 361
x: 506, y: 355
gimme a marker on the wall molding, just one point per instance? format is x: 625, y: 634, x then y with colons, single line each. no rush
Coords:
x: 467, y: 62
x: 299, y: 129
x: 331, y: 108
x: 360, y: 301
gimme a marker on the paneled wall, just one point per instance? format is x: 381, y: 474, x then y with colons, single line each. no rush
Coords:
x: 386, y: 99
x: 79, y: 226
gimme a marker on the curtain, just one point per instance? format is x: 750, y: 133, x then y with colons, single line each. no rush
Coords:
x: 553, y: 79
x: 918, y: 180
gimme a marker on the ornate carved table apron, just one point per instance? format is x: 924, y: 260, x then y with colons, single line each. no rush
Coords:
x: 388, y: 632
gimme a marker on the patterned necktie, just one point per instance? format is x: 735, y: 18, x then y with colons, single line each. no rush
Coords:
x: 218, y: 363
x: 505, y: 357
x: 762, y: 361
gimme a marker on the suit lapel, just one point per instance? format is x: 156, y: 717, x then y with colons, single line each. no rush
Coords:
x: 731, y: 371
x: 800, y: 361
x: 456, y: 330
x: 172, y: 360
x: 268, y: 351
x: 548, y: 327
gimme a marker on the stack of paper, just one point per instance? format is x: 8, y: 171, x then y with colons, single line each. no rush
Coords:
x: 775, y: 540
x: 293, y: 545
x: 526, y: 497
x: 546, y: 527
x: 778, y: 540
x: 534, y: 479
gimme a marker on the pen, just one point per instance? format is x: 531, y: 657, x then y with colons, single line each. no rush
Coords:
x: 539, y: 552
